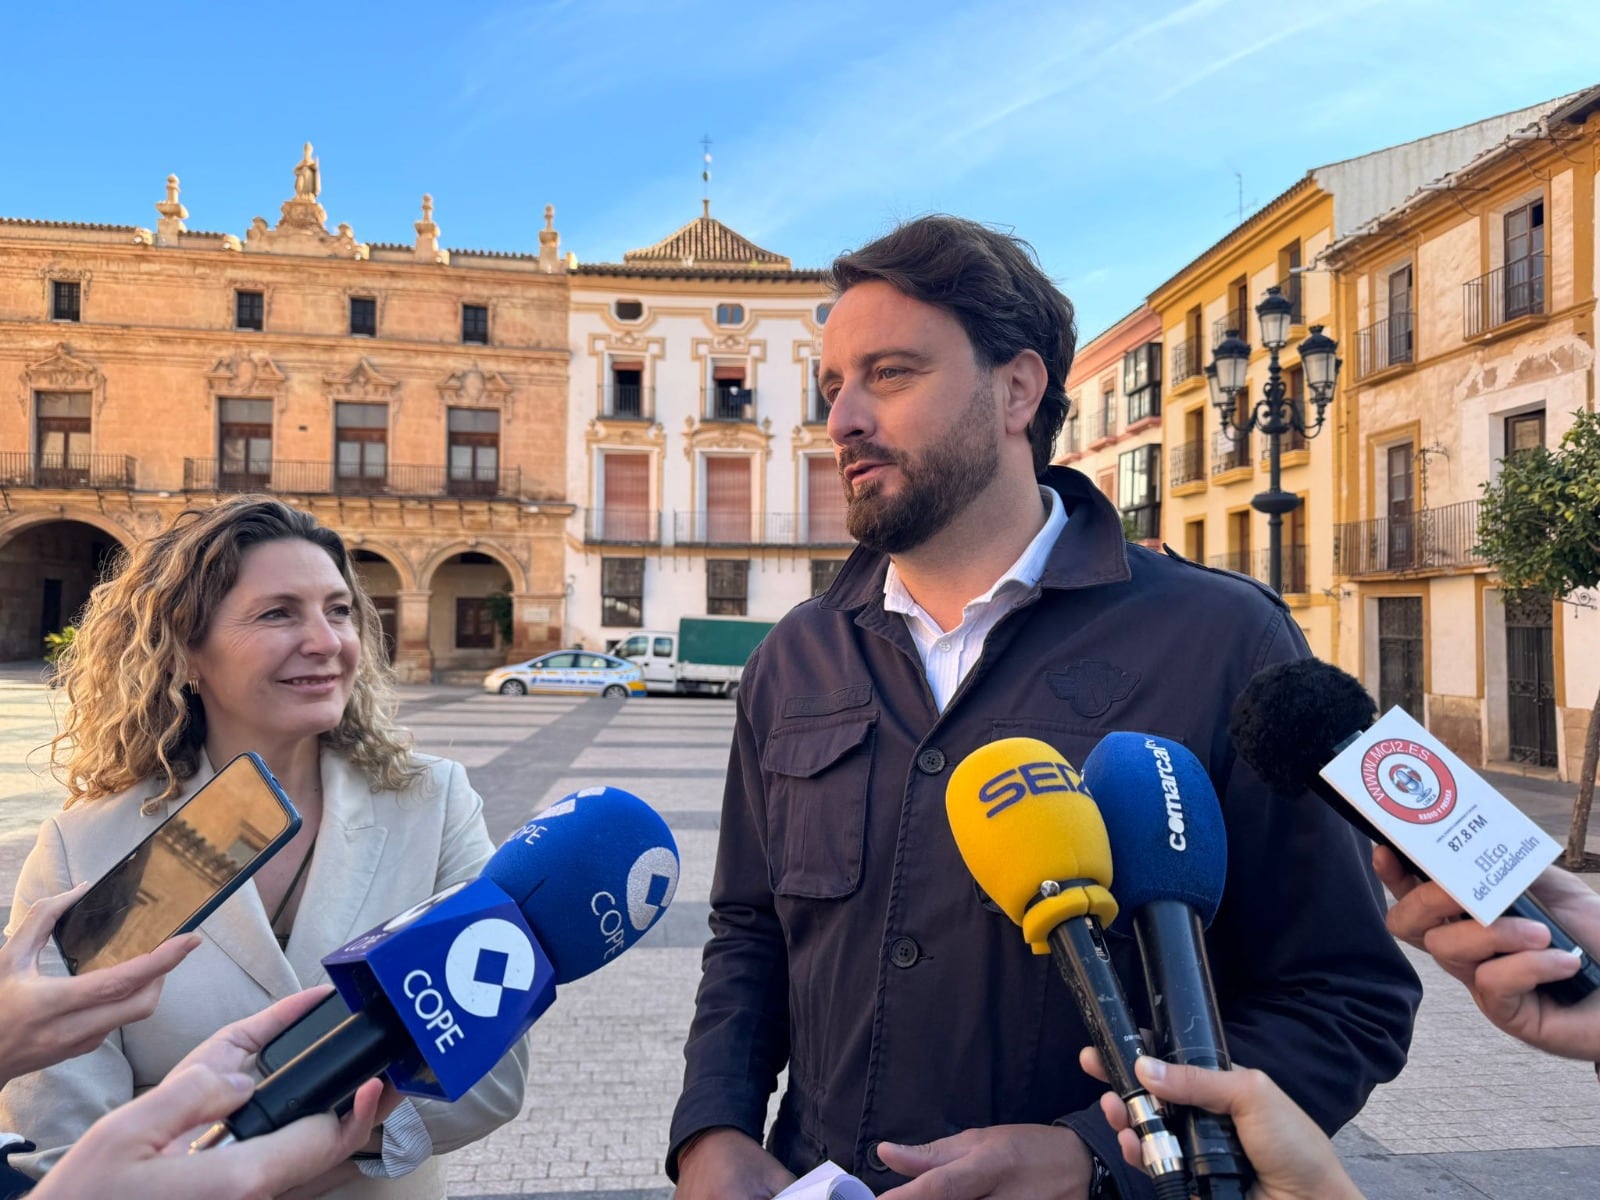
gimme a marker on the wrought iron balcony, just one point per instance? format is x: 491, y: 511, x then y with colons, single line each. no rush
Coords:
x: 327, y: 479
x: 1385, y: 343
x: 1230, y: 452
x: 733, y: 404
x: 621, y: 526
x: 760, y: 529
x: 1291, y: 289
x: 1188, y: 462
x: 1187, y: 360
x: 1504, y: 294
x: 23, y: 470
x: 627, y: 401
x: 1431, y: 539
x: 1236, y: 319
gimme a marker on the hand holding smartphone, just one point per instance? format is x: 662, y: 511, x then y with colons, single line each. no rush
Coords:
x: 180, y: 874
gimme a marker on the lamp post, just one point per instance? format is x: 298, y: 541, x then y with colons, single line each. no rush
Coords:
x: 1275, y: 414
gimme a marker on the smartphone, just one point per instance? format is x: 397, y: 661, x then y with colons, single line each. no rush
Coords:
x: 295, y: 1040
x: 181, y: 873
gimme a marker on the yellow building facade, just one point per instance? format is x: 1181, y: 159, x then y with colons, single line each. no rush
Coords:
x: 1212, y: 472
x: 412, y: 397
x: 1471, y: 306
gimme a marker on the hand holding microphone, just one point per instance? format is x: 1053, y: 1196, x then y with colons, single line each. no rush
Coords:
x: 1295, y: 718
x: 1293, y: 1159
x: 442, y: 992
x: 1508, y: 965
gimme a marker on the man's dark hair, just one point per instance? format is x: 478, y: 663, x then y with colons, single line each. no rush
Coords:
x: 992, y: 283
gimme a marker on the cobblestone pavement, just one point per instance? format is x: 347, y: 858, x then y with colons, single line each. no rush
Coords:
x: 1475, y: 1115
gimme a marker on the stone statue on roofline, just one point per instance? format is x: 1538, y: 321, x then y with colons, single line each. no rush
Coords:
x: 307, y: 177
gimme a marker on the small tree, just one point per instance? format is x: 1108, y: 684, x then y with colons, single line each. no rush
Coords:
x: 1539, y: 527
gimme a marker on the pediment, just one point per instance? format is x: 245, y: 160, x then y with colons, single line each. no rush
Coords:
x: 474, y: 386
x: 364, y: 381
x: 63, y: 371
x: 246, y: 374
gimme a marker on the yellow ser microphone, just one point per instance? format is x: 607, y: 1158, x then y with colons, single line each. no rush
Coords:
x: 1033, y: 838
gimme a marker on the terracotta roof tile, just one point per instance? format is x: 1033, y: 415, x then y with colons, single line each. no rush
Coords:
x: 706, y: 242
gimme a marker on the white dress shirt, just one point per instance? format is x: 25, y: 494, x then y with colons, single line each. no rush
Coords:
x: 947, y: 657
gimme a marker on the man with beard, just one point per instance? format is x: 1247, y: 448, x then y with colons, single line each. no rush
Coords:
x: 929, y: 1052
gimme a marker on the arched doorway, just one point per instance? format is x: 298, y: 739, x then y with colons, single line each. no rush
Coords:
x: 46, y: 574
x: 466, y: 617
x: 383, y: 584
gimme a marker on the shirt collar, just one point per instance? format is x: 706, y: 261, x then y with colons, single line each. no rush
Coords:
x: 1024, y: 573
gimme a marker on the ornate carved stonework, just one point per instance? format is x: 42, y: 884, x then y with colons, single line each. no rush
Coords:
x: 810, y: 437
x: 61, y: 372
x: 726, y: 435
x: 303, y: 223
x: 477, y: 388
x: 248, y: 375
x: 362, y: 384
x: 626, y: 434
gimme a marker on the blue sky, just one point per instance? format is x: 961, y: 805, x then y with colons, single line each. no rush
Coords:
x: 1108, y: 133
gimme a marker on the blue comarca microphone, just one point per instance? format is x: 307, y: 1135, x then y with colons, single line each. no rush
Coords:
x: 1169, y: 857
x: 440, y: 993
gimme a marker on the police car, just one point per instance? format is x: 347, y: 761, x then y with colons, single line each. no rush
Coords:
x: 568, y: 671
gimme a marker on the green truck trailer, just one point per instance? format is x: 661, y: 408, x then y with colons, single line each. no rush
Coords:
x: 704, y: 655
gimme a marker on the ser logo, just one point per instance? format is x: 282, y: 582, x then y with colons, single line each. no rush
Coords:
x: 1408, y: 781
x: 1027, y: 779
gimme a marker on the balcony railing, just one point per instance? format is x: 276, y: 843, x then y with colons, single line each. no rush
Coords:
x: 760, y: 529
x: 1234, y: 319
x: 1430, y: 539
x: 1258, y: 565
x: 21, y: 469
x: 1230, y: 452
x: 733, y: 404
x: 325, y: 479
x: 1186, y: 360
x: 627, y: 401
x: 1288, y: 441
x: 1385, y: 343
x: 1103, y: 425
x: 622, y: 526
x: 1188, y: 462
x: 1504, y: 294
x: 1291, y: 290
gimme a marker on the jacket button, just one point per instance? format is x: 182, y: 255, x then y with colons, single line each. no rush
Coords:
x: 874, y: 1160
x: 903, y: 952
x: 930, y: 762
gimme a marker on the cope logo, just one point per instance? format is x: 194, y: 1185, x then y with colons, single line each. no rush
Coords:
x: 1408, y: 781
x: 652, y: 882
x: 487, y: 959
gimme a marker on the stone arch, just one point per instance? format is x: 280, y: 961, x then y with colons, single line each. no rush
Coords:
x: 431, y: 565
x: 18, y: 522
x: 50, y: 562
x: 389, y: 554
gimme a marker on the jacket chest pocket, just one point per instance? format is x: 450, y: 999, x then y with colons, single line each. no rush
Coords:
x: 817, y: 779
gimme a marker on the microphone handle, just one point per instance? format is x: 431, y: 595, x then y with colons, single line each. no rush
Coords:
x: 1188, y: 1026
x: 1563, y: 991
x: 322, y: 1076
x: 1078, y: 946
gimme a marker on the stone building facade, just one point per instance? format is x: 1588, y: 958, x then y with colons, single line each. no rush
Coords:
x: 412, y: 397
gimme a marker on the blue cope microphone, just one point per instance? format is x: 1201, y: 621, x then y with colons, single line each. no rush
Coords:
x: 440, y: 993
x: 1169, y: 856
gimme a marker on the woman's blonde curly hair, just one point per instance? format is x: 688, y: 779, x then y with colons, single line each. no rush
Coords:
x: 130, y: 718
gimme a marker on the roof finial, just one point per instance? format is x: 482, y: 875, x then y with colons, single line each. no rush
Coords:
x: 705, y: 175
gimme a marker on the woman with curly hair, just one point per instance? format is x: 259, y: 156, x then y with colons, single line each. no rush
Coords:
x: 244, y: 627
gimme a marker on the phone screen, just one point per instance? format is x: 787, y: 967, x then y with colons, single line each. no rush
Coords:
x: 293, y: 1041
x: 178, y: 875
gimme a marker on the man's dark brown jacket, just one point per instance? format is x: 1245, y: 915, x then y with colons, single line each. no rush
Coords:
x: 850, y: 944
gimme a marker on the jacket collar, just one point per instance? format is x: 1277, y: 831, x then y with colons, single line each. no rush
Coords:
x: 1090, y: 551
x: 349, y: 846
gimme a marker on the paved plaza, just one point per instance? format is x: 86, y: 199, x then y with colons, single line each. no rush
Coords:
x: 1474, y: 1115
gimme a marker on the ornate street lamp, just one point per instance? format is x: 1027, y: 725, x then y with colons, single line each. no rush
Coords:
x: 1275, y: 414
